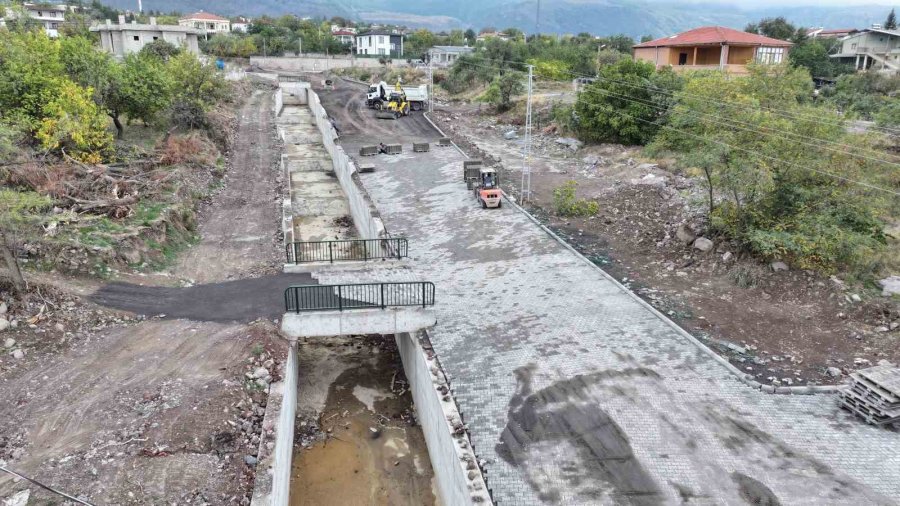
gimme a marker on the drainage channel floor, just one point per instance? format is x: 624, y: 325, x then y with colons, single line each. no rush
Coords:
x: 357, y: 440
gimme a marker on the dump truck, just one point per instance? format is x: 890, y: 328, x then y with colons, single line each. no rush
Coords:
x: 379, y: 95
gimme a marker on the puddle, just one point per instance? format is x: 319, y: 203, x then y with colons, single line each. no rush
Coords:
x: 357, y: 440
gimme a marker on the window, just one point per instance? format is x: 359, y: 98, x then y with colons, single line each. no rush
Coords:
x: 381, y: 39
x: 853, y: 46
x: 137, y: 37
x: 769, y: 54
x: 155, y: 38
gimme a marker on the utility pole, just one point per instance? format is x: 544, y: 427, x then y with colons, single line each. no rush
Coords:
x: 525, y: 193
x: 299, y: 46
x: 537, y: 22
x: 431, y: 86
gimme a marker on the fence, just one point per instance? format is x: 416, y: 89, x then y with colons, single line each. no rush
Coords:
x: 358, y: 296
x: 346, y: 250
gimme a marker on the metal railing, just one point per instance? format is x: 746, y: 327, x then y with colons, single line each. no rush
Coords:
x: 346, y: 250
x: 358, y: 296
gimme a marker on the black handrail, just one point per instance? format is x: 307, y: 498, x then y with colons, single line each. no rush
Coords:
x: 346, y: 250
x: 358, y: 296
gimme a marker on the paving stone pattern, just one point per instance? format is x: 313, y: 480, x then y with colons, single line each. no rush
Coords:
x: 576, y: 394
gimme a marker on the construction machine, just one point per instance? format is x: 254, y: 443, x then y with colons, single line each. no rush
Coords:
x: 378, y: 96
x: 396, y: 106
x: 487, y: 188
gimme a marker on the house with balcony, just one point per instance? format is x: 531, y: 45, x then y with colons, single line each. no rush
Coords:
x: 207, y: 23
x: 875, y: 48
x: 344, y: 36
x: 712, y: 47
x: 50, y: 16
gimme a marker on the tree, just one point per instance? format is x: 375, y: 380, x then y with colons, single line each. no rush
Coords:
x: 891, y: 22
x: 501, y: 91
x: 144, y: 88
x: 30, y: 75
x: 161, y: 49
x: 626, y: 104
x: 16, y: 215
x: 74, y: 123
x: 813, y: 54
x: 470, y: 36
x: 776, y: 28
x: 197, y: 87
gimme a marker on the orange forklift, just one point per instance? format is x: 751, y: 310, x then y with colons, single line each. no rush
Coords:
x: 485, y: 185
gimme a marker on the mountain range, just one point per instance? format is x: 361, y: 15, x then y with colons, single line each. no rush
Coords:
x: 599, y: 17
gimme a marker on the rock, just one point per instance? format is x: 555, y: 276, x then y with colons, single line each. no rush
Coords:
x: 4, y: 324
x: 59, y: 327
x: 890, y: 286
x: 650, y: 180
x: 262, y: 382
x: 260, y: 372
x: 131, y: 255
x: 18, y: 354
x: 647, y: 166
x: 685, y: 234
x: 510, y: 135
x: 833, y: 372
x: 855, y: 297
x: 9, y: 342
x: 374, y: 432
x: 592, y: 160
x: 882, y: 329
x: 569, y: 142
x: 779, y: 266
x: 861, y: 361
x: 20, y: 498
x: 703, y: 244
x: 727, y: 257
x: 250, y: 460
x: 3, y: 308
x: 894, y: 326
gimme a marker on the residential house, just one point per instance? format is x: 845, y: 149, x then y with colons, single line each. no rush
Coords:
x: 712, y: 47
x: 831, y: 33
x: 872, y: 49
x: 124, y: 38
x: 206, y: 22
x: 491, y: 35
x: 344, y: 36
x: 380, y: 42
x: 50, y: 16
x: 240, y: 25
x: 444, y: 56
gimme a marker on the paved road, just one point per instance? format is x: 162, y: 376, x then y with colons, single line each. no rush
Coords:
x: 576, y: 394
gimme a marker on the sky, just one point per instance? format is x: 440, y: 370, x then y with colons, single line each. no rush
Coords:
x: 752, y: 4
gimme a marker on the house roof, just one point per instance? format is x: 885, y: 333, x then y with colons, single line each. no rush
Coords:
x: 714, y: 35
x: 454, y: 49
x: 380, y: 32
x: 892, y: 33
x: 342, y: 32
x: 205, y: 16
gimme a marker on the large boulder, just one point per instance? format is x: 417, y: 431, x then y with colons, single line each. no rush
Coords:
x: 779, y: 266
x: 685, y: 234
x: 703, y: 244
x: 890, y: 286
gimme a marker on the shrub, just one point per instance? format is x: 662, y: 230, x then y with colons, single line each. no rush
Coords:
x: 567, y: 204
x: 74, y: 122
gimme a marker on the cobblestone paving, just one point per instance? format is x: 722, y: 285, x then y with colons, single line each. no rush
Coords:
x: 576, y: 394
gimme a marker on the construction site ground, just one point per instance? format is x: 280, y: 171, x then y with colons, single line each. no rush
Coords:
x: 792, y: 325
x: 575, y: 393
x: 143, y: 407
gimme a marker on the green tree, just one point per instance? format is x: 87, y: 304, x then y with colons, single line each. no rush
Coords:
x: 74, y: 123
x: 777, y: 28
x: 813, y: 54
x: 161, y: 49
x: 143, y: 88
x: 891, y: 22
x: 17, y: 215
x: 31, y: 74
x: 470, y: 36
x: 627, y: 103
x: 502, y: 90
x: 197, y: 87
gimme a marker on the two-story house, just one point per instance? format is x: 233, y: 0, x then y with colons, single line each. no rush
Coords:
x: 713, y: 47
x: 207, y: 23
x: 124, y: 38
x: 380, y: 42
x: 50, y: 16
x: 872, y: 49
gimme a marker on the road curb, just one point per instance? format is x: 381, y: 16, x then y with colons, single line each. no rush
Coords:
x: 741, y: 376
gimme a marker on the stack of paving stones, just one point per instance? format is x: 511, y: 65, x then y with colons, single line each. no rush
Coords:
x: 874, y: 394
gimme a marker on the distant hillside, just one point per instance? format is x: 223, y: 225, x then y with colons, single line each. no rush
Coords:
x: 632, y: 17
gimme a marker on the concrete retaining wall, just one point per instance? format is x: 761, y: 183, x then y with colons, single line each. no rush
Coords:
x: 284, y: 432
x: 459, y: 479
x: 362, y: 209
x: 392, y: 320
x: 316, y: 63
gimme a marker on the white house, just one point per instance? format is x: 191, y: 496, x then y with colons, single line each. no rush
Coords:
x: 344, y: 36
x: 444, y: 56
x: 872, y: 48
x: 380, y: 42
x: 241, y: 25
x: 206, y: 22
x: 124, y: 38
x: 50, y: 16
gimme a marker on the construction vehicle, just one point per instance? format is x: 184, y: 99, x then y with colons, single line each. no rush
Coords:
x: 379, y: 95
x: 487, y: 188
x: 396, y: 106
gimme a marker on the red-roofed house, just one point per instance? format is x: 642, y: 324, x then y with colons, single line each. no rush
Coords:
x: 206, y: 22
x: 712, y: 47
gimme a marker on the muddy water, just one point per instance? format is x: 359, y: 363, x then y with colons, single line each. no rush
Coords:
x: 357, y: 441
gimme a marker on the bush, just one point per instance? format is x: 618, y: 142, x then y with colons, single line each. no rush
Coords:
x: 76, y: 124
x: 567, y: 204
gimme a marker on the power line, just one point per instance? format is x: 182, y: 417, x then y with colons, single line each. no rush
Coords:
x: 735, y: 122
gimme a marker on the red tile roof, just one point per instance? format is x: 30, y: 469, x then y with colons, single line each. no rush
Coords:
x: 205, y: 16
x: 714, y: 35
x: 342, y: 32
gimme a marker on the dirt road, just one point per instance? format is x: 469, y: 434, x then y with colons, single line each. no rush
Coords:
x: 240, y: 230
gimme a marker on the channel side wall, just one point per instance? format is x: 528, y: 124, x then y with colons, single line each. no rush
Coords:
x: 316, y: 63
x: 456, y: 470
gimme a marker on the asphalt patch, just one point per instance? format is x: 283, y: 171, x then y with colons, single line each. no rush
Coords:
x: 242, y: 300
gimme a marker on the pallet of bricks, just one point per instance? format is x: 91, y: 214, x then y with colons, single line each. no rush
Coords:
x: 874, y: 394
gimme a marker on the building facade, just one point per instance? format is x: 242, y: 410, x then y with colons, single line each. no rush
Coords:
x: 241, y: 25
x: 345, y: 37
x: 125, y: 38
x: 713, y: 47
x: 444, y: 56
x: 380, y: 42
x: 872, y: 49
x: 207, y: 23
x: 50, y: 16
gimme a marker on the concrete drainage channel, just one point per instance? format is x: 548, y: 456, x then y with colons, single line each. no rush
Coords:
x: 333, y: 427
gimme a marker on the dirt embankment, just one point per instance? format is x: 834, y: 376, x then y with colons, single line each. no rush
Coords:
x: 782, y: 325
x: 119, y: 408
